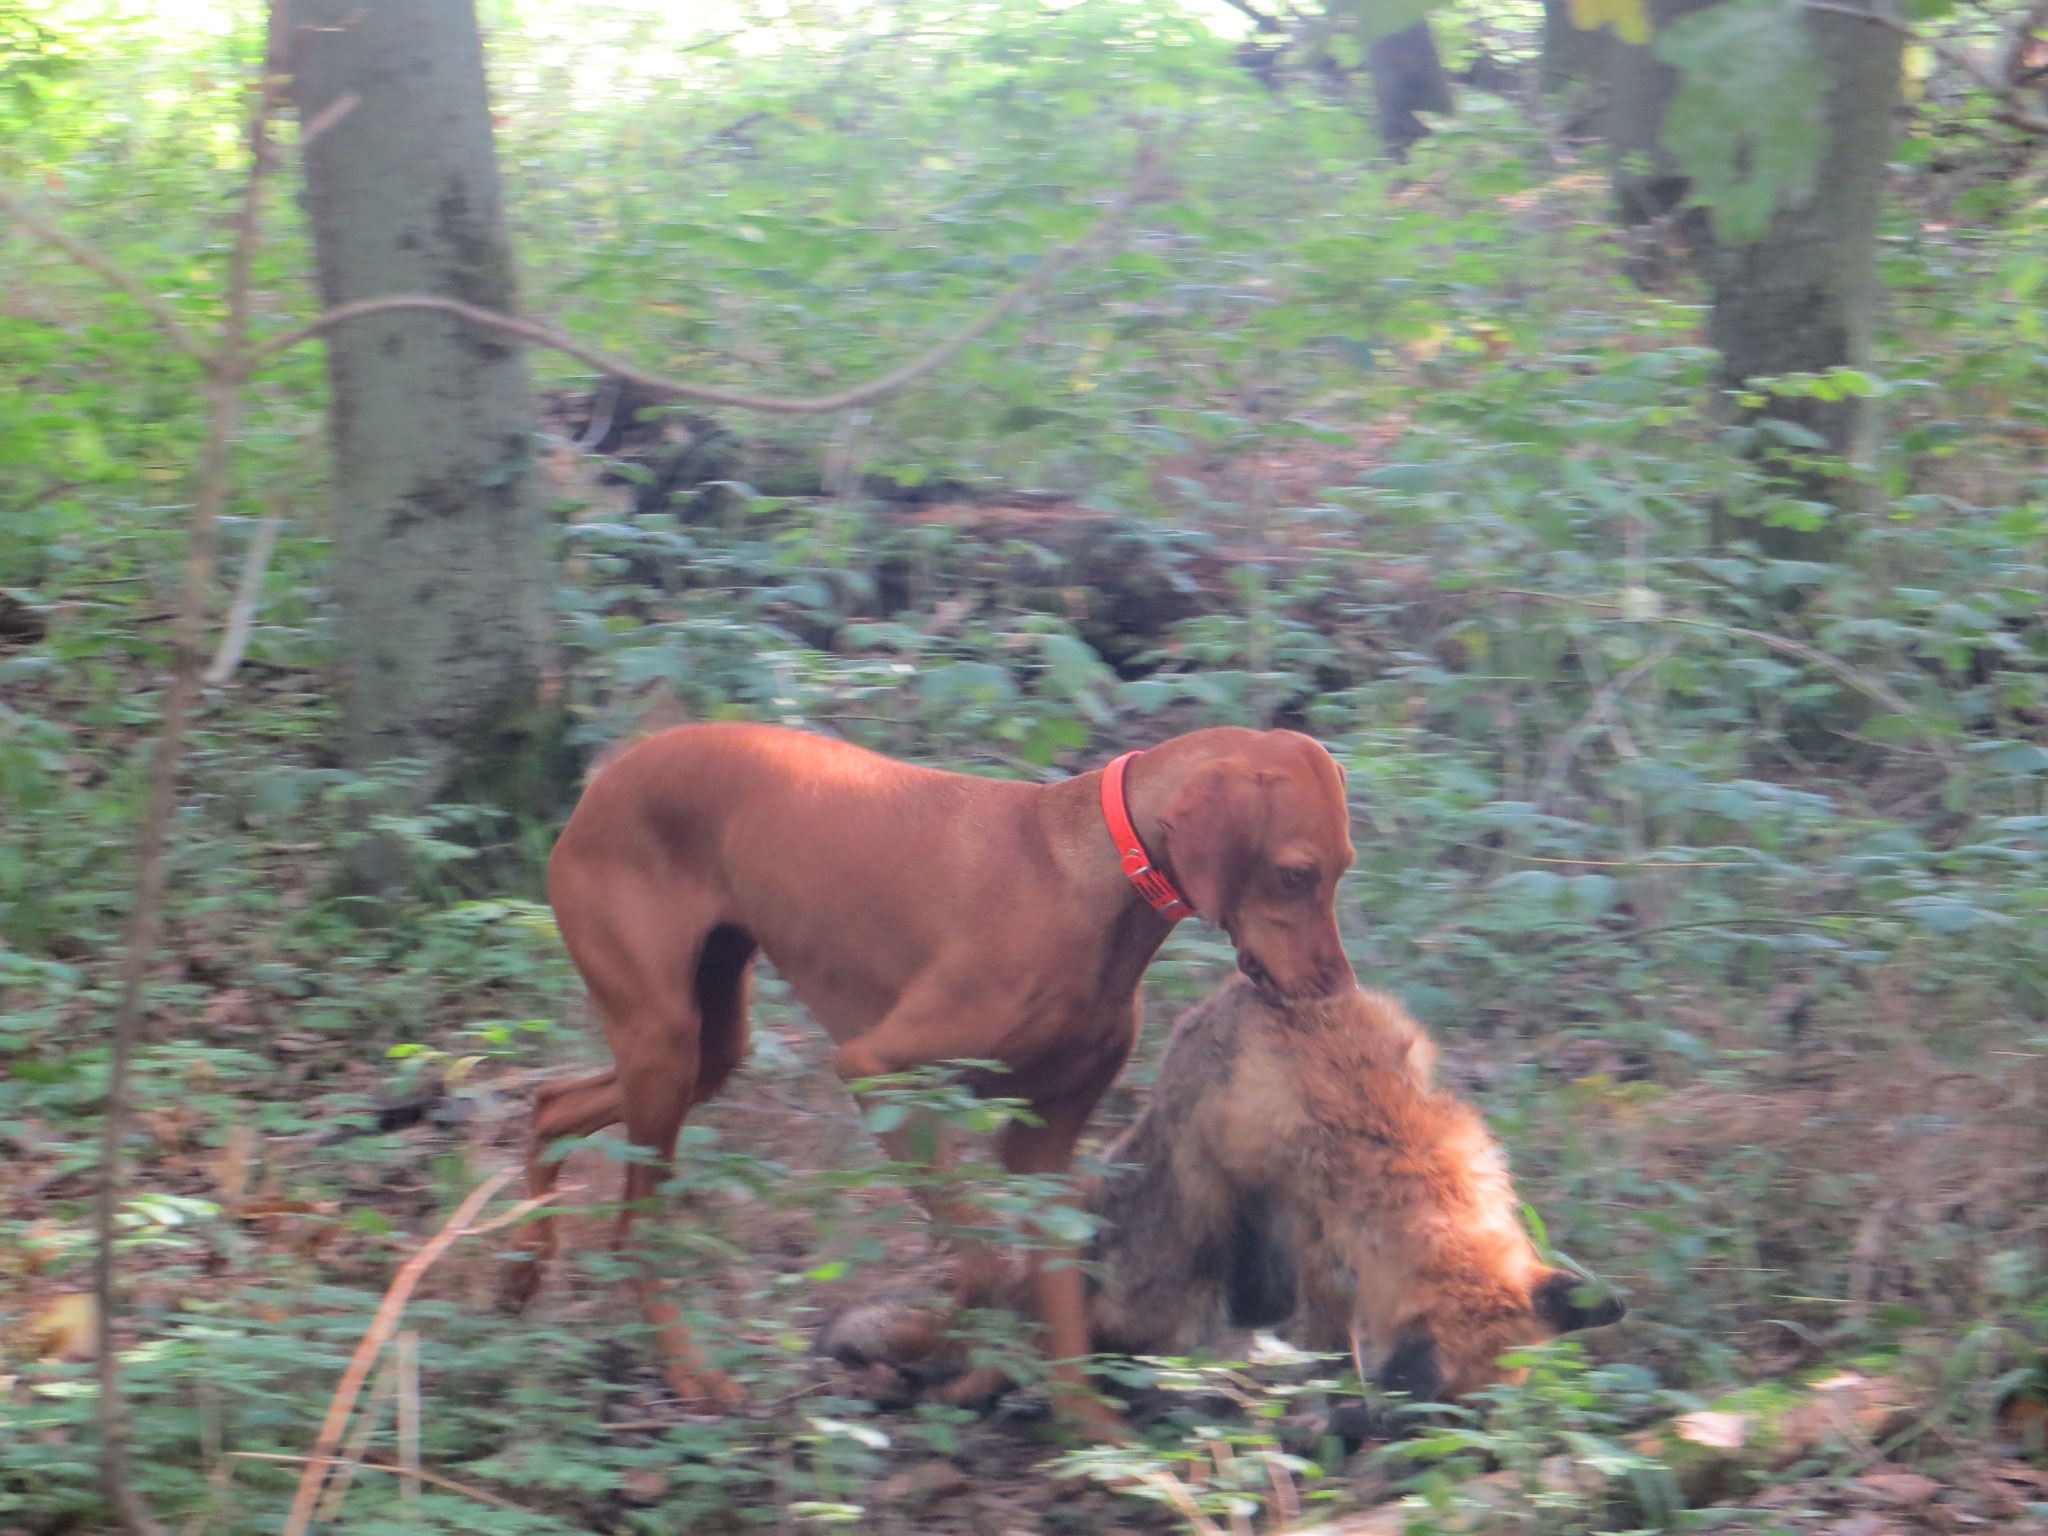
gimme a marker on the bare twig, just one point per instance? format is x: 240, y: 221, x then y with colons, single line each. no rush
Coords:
x: 222, y: 363
x: 525, y: 1208
x: 139, y: 943
x: 731, y: 133
x: 330, y: 114
x: 1599, y: 711
x: 1144, y: 184
x: 89, y: 256
x: 1861, y: 681
x: 409, y: 1415
x: 1226, y: 1464
x: 381, y: 1392
x: 2007, y: 91
x: 235, y: 637
x: 606, y: 402
x: 1177, y: 1494
x: 49, y: 492
x: 1286, y: 1506
x: 374, y: 1337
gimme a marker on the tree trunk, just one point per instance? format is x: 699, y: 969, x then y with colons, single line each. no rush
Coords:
x: 1570, y: 53
x: 1804, y: 298
x: 1407, y: 78
x: 1648, y: 185
x: 441, y: 564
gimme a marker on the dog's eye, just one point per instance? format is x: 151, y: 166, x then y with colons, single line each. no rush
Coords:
x: 1297, y: 881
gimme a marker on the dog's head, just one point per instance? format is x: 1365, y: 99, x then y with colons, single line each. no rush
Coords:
x: 1256, y: 840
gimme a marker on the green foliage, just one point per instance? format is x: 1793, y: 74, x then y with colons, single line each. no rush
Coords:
x: 1365, y: 22
x: 1748, y: 122
x: 35, y: 56
x: 1559, y: 1439
x: 1220, y: 1464
x: 1736, y: 944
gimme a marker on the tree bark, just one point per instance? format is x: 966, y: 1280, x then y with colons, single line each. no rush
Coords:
x: 1570, y: 52
x: 441, y: 564
x: 1648, y: 185
x: 1407, y: 78
x: 1803, y: 299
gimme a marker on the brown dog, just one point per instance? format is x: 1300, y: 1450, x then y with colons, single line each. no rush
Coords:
x: 922, y: 917
x: 1295, y: 1168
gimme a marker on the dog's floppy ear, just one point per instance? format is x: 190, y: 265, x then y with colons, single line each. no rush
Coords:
x: 1412, y: 1365
x: 1211, y: 823
x: 1567, y: 1303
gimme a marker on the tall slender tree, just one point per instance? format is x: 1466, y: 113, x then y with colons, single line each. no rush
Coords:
x: 1407, y: 77
x: 441, y: 565
x: 1805, y: 297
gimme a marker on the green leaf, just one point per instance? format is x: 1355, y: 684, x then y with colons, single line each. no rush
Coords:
x: 884, y: 1118
x: 1748, y: 122
x: 1947, y: 914
x: 1371, y: 20
x: 1358, y: 354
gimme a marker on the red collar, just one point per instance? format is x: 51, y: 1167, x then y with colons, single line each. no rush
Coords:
x: 1116, y: 814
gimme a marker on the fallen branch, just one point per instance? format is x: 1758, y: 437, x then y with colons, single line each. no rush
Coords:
x: 374, y: 1337
x: 381, y: 1392
x: 234, y: 638
x: 465, y: 1489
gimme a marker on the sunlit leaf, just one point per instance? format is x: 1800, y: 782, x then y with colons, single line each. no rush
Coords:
x: 1630, y: 19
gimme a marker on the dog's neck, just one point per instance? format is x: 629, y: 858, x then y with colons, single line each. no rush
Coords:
x: 1149, y: 781
x: 1109, y: 906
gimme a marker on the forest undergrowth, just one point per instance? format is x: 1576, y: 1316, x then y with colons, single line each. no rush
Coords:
x: 1719, y: 879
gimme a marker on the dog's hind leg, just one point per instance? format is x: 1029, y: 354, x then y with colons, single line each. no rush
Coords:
x: 668, y: 979
x: 575, y: 1108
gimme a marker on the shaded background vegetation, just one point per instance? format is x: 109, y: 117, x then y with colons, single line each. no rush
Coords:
x: 1720, y: 876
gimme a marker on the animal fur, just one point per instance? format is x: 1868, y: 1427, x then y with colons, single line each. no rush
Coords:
x: 1297, y: 1168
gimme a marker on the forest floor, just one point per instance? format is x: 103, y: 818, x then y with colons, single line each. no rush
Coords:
x: 323, y: 1164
